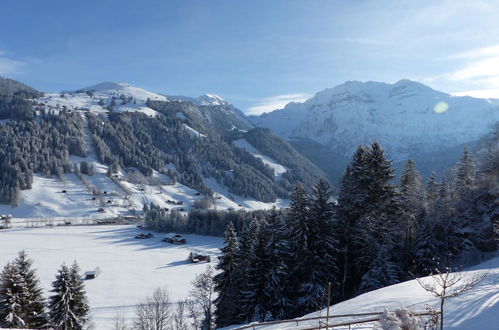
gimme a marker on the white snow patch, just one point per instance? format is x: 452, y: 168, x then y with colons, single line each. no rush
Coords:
x: 180, y: 115
x: 192, y: 131
x: 224, y: 200
x: 127, y: 90
x: 278, y: 169
x: 46, y: 199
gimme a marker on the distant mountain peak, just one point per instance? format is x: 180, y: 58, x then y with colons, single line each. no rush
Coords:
x: 125, y: 89
x: 211, y: 99
x: 401, y: 115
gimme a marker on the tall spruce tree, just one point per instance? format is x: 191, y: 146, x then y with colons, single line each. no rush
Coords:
x: 465, y: 174
x: 21, y: 298
x: 246, y: 242
x: 412, y: 197
x: 381, y: 272
x: 276, y: 277
x: 252, y: 297
x: 426, y: 249
x: 11, y: 292
x: 81, y: 308
x: 431, y: 193
x: 323, y: 243
x: 227, y: 280
x: 379, y: 225
x: 297, y: 220
x: 33, y: 303
x: 65, y: 308
x: 351, y: 206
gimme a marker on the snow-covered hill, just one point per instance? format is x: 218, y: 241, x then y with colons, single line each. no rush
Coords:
x: 125, y: 89
x: 99, y: 195
x: 407, y: 117
x: 475, y: 309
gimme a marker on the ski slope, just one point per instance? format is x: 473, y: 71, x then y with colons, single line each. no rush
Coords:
x: 131, y: 269
x: 477, y: 309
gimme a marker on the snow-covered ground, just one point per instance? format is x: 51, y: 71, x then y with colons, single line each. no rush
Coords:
x: 278, y: 169
x: 130, y: 268
x: 475, y: 309
x: 224, y: 200
x: 46, y: 199
x: 100, y: 96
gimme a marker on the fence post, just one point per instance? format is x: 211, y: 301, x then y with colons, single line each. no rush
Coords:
x: 328, y: 303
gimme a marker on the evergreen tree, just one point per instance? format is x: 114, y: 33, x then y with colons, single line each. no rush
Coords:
x: 380, y: 225
x: 297, y: 219
x: 382, y: 272
x: 226, y: 281
x: 323, y: 243
x: 65, y: 308
x: 426, y: 253
x: 353, y: 192
x: 246, y: 241
x: 432, y: 192
x: 33, y: 303
x: 411, y: 195
x: 21, y: 299
x: 465, y: 174
x: 11, y: 298
x: 81, y: 308
x: 446, y: 228
x: 252, y: 292
x: 277, y: 252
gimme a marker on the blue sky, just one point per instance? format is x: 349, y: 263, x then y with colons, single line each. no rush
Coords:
x: 258, y: 55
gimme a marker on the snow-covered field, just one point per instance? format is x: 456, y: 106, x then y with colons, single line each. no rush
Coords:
x: 130, y: 268
x: 477, y: 309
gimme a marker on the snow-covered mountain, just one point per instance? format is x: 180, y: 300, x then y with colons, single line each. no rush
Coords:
x: 190, y: 145
x: 209, y: 102
x: 407, y: 117
x: 205, y: 99
x: 125, y: 89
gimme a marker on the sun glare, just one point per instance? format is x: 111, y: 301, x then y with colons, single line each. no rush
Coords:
x: 441, y: 107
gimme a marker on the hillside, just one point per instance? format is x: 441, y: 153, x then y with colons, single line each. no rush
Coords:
x: 137, y: 147
x: 410, y: 120
x: 476, y: 309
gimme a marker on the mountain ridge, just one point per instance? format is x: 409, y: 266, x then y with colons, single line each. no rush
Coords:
x: 407, y: 117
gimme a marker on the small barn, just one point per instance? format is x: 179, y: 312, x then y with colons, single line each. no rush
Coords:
x: 90, y: 275
x: 198, y: 257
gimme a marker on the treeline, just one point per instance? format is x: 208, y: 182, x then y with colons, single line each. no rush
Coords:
x: 202, y: 222
x: 22, y: 304
x: 377, y: 234
x: 41, y: 146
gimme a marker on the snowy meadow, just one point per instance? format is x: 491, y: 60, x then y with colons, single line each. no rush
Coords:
x: 130, y: 268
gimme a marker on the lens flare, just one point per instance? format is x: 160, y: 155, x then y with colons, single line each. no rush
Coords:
x: 441, y: 107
